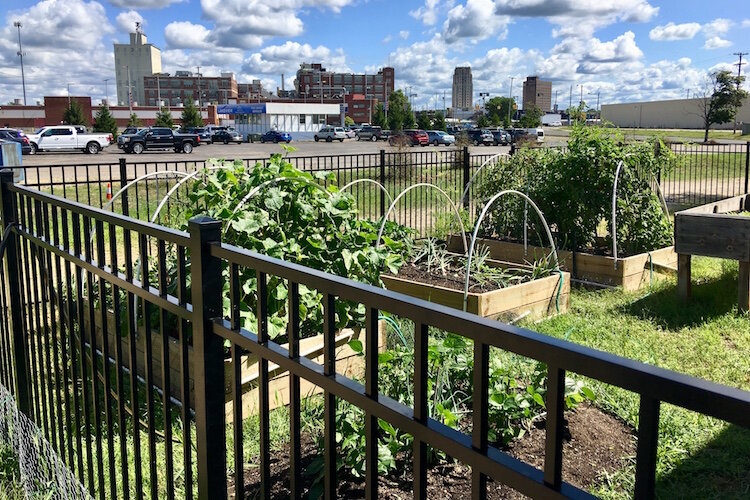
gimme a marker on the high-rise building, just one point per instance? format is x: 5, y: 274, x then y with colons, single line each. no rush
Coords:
x: 164, y: 89
x: 133, y: 62
x: 360, y: 92
x: 537, y: 93
x: 463, y: 89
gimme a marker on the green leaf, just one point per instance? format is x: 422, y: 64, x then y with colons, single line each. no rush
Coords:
x: 538, y: 399
x: 356, y: 346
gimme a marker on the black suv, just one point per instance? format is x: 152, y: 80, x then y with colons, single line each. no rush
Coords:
x: 369, y: 134
x: 11, y: 134
x: 477, y: 137
x: 159, y: 138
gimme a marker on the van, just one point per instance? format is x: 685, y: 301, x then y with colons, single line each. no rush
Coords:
x: 535, y: 133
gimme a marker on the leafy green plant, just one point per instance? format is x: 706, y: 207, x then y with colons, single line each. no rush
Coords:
x: 573, y: 189
x: 294, y: 218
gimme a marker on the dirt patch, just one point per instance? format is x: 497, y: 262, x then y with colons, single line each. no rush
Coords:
x: 455, y: 276
x: 595, y: 443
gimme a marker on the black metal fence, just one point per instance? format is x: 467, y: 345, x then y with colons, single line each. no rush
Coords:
x: 125, y: 370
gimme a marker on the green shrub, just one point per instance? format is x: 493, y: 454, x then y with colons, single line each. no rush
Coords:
x: 573, y: 188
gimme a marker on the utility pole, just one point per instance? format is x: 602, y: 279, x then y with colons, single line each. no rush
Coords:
x: 130, y: 91
x: 739, y: 75
x: 510, y: 99
x: 570, y: 103
x: 158, y: 91
x: 581, y: 101
x: 68, y: 95
x: 18, y: 25
x: 555, y: 101
x: 106, y: 90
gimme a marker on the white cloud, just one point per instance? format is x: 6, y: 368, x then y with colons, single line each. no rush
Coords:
x: 476, y: 20
x: 126, y: 21
x: 429, y: 12
x: 144, y: 4
x: 404, y: 34
x: 672, y: 31
x: 717, y: 27
x: 186, y: 35
x: 746, y: 23
x: 716, y: 42
x: 64, y: 42
x: 286, y: 58
x: 387, y: 38
x: 625, y: 10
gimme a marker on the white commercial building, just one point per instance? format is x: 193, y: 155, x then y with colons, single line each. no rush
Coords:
x: 677, y: 113
x: 133, y: 61
x: 301, y: 120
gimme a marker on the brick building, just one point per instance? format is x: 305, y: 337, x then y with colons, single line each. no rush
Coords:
x: 184, y: 86
x: 360, y: 92
x: 537, y: 93
x: 250, y: 91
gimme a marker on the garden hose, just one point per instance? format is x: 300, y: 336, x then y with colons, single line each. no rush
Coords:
x: 559, y: 289
x: 395, y: 326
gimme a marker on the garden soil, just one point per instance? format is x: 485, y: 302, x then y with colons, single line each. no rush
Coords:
x: 595, y: 444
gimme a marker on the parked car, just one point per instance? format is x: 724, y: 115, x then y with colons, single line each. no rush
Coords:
x: 518, y: 134
x: 501, y: 137
x: 11, y: 134
x: 477, y: 137
x: 159, y: 138
x: 201, y: 132
x: 437, y: 137
x: 409, y: 137
x: 227, y: 136
x: 369, y: 133
x: 330, y: 134
x: 351, y: 132
x: 275, y: 136
x: 399, y: 139
x: 67, y: 138
x: 556, y: 123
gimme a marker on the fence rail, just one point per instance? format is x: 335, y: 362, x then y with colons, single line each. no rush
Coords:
x: 81, y: 305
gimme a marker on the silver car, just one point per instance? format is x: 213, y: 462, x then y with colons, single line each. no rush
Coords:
x: 330, y: 134
x: 437, y: 137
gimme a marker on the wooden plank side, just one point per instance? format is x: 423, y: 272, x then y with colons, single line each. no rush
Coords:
x: 726, y: 237
x: 734, y: 204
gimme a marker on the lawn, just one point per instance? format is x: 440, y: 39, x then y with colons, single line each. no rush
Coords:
x: 699, y: 457
x: 687, y: 134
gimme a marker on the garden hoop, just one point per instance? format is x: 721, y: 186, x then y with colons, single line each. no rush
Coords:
x: 423, y: 184
x: 174, y: 188
x: 357, y: 181
x: 479, y: 223
x: 484, y: 164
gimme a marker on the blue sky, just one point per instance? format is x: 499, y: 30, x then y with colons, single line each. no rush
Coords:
x: 626, y: 50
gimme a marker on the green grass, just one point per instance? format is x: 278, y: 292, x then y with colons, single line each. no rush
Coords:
x: 698, y: 456
x: 691, y: 134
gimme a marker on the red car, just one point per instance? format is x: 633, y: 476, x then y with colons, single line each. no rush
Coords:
x: 410, y: 137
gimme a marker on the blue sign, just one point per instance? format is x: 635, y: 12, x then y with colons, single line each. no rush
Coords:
x: 253, y: 108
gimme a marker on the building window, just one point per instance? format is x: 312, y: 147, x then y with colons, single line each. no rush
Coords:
x: 301, y: 119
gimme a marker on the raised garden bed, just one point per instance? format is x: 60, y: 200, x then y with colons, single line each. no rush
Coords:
x: 521, y: 297
x: 348, y: 363
x: 719, y: 229
x: 631, y: 273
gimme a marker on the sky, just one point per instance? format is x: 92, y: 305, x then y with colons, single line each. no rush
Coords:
x: 611, y: 50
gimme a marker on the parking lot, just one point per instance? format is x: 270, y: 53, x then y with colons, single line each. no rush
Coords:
x: 112, y: 154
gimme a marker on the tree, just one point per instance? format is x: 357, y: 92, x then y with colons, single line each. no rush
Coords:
x: 73, y: 114
x: 497, y: 110
x: 483, y: 121
x: 396, y: 110
x: 722, y: 95
x: 134, y: 121
x: 348, y: 121
x: 104, y: 121
x: 424, y: 122
x: 190, y: 115
x: 439, y: 122
x: 378, y: 118
x: 577, y: 113
x: 409, y: 117
x: 164, y: 118
x: 531, y: 117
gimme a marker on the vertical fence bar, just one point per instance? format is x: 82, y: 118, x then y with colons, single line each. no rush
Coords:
x: 295, y: 457
x: 206, y: 276
x: 234, y: 297
x: 123, y: 183
x: 165, y: 375
x: 555, y: 427
x: 480, y: 418
x: 466, y: 174
x: 648, y: 442
x: 329, y: 410
x: 383, y: 208
x: 184, y: 375
x: 263, y: 392
x: 10, y: 218
x: 421, y: 340
x: 371, y: 391
x: 747, y: 167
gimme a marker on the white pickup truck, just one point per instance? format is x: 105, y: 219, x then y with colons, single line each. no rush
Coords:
x: 66, y: 138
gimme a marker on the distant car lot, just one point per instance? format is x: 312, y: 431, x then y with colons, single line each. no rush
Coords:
x: 112, y: 154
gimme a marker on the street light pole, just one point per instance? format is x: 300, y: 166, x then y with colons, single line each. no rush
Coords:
x: 510, y: 97
x: 200, y: 105
x: 18, y: 25
x: 106, y: 90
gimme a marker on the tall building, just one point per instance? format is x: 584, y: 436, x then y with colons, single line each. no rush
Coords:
x: 361, y: 92
x: 185, y: 86
x: 133, y: 62
x: 463, y: 89
x: 537, y: 93
x: 251, y: 91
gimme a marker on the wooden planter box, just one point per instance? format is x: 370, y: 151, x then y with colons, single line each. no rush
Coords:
x: 710, y: 230
x: 533, y: 299
x: 348, y: 363
x: 631, y: 272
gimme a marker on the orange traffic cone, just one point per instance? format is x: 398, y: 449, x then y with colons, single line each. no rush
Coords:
x: 109, y: 191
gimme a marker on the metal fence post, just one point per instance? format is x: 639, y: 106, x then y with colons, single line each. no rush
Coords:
x: 382, y: 181
x: 206, y: 275
x: 747, y: 165
x: 123, y: 183
x: 9, y: 214
x: 467, y: 174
